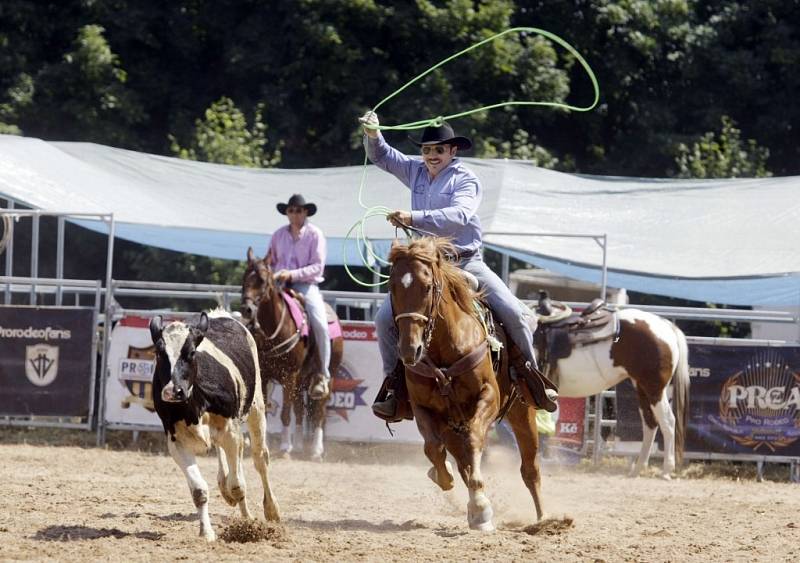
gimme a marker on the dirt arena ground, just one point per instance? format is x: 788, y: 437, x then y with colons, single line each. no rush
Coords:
x: 73, y: 503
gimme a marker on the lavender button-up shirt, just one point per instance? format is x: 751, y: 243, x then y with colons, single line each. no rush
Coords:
x: 446, y: 205
x: 303, y: 257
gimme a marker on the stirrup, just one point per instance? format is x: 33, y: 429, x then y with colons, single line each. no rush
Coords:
x: 386, y: 409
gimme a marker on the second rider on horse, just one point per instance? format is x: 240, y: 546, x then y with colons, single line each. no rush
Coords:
x: 445, y: 196
x: 298, y: 258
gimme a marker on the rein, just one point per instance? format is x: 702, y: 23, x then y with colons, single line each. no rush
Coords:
x: 287, y: 345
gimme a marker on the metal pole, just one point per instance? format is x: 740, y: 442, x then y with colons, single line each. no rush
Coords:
x: 60, y: 259
x: 605, y: 267
x: 9, y: 253
x: 598, y: 421
x: 34, y: 255
x: 504, y: 265
x: 107, y: 325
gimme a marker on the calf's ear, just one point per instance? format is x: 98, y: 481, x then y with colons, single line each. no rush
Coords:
x: 202, y: 325
x: 199, y: 330
x: 155, y: 328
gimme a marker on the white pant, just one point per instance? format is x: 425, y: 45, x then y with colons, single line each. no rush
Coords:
x: 318, y: 319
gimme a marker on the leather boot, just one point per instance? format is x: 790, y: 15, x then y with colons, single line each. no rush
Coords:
x: 391, y: 404
x: 543, y: 391
x: 320, y: 387
x: 386, y: 409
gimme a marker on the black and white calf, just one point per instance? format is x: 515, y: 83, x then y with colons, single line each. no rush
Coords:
x: 207, y: 380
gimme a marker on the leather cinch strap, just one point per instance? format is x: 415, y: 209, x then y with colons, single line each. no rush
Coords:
x: 444, y: 376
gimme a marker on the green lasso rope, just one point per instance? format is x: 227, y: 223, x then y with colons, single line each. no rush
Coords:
x: 383, y: 211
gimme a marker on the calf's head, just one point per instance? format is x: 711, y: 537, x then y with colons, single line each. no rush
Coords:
x: 176, y: 345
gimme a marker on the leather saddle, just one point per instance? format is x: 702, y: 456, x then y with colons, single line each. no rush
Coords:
x: 561, y: 329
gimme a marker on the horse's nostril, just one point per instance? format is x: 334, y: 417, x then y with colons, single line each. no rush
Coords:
x: 418, y: 354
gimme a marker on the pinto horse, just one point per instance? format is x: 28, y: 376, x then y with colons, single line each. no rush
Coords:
x: 454, y: 391
x: 646, y: 348
x: 284, y: 355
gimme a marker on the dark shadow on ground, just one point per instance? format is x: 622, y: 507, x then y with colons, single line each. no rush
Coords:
x: 77, y: 533
x: 350, y: 524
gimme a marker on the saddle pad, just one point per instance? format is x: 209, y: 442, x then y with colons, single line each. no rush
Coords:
x: 334, y: 328
x: 297, y: 313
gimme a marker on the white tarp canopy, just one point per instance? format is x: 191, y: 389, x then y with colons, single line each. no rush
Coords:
x: 724, y: 241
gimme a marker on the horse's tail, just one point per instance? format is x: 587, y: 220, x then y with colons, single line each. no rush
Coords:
x: 681, y: 394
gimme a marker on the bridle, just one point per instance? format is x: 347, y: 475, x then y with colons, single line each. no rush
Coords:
x: 282, y: 347
x: 430, y: 318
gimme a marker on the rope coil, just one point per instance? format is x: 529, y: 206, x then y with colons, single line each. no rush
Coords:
x: 382, y: 211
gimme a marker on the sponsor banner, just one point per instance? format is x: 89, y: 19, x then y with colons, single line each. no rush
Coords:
x: 131, y: 362
x: 354, y: 388
x: 45, y: 360
x: 743, y: 400
x: 571, y: 416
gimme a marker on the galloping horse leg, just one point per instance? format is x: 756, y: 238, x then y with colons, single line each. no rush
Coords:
x: 442, y: 472
x: 666, y: 421
x: 467, y: 448
x: 318, y: 411
x: 649, y: 427
x: 298, y: 402
x: 286, y: 417
x: 523, y: 421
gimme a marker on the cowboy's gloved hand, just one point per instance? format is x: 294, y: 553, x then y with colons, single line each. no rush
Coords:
x: 370, y: 118
x: 283, y: 276
x: 399, y: 218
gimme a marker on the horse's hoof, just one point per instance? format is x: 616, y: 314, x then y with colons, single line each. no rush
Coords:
x: 285, y: 454
x: 317, y: 458
x: 448, y: 484
x: 666, y: 477
x: 484, y: 527
x: 480, y: 518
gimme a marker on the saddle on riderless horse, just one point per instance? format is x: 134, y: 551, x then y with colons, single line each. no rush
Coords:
x: 561, y: 330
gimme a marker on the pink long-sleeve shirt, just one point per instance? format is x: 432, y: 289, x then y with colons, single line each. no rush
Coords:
x: 303, y: 257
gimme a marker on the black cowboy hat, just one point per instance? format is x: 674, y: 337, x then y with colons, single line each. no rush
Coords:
x: 442, y: 135
x: 297, y: 201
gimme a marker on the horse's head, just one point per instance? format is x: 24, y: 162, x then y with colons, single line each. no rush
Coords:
x: 256, y: 283
x: 421, y: 271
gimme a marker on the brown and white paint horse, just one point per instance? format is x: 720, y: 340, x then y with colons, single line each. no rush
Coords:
x: 285, y: 357
x: 650, y: 350
x: 438, y: 329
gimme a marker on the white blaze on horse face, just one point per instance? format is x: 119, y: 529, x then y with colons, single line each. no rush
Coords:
x: 406, y: 280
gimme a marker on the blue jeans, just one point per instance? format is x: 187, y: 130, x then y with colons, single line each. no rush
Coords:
x: 507, y: 308
x: 318, y: 319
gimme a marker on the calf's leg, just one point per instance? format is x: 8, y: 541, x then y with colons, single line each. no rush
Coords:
x: 185, y: 458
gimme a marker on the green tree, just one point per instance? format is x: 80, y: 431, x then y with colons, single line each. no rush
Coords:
x: 520, y: 147
x: 84, y: 95
x: 223, y: 137
x: 723, y: 155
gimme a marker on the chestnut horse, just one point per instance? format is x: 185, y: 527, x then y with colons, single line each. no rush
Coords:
x: 454, y: 392
x: 284, y: 356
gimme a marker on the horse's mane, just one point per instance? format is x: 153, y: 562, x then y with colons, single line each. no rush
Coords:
x: 439, y: 254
